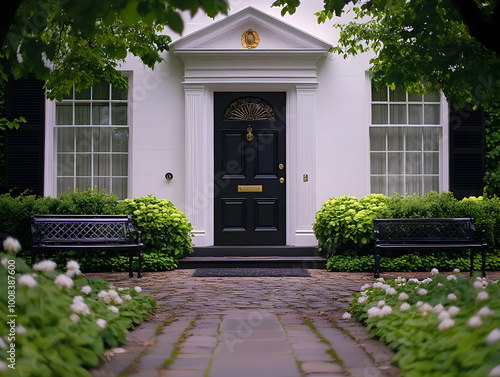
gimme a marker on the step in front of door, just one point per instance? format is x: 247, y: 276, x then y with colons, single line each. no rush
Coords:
x: 308, y: 262
x: 254, y: 251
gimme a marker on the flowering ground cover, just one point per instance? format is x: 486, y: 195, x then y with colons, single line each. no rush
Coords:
x: 57, y: 323
x: 442, y: 326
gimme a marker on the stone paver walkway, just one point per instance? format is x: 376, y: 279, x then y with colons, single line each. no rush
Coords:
x: 255, y: 327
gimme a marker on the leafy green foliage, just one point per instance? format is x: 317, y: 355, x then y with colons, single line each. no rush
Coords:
x: 83, y: 42
x: 492, y: 168
x: 164, y: 228
x: 441, y: 326
x: 344, y: 228
x: 345, y: 224
x: 412, y: 262
x: 419, y: 41
x: 52, y: 337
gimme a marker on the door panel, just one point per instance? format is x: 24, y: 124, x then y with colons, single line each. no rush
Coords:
x: 249, y: 141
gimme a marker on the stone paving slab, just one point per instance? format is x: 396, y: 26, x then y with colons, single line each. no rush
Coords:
x: 259, y: 326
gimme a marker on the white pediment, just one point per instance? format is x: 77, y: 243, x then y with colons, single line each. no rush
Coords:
x: 225, y: 36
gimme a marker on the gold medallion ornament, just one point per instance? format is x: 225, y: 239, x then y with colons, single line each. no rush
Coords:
x: 250, y: 39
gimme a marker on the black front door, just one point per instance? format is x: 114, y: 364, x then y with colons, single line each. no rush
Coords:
x: 249, y: 131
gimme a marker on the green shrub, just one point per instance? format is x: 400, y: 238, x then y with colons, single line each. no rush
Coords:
x: 430, y: 204
x: 345, y: 224
x: 55, y: 333
x: 164, y: 228
x: 441, y: 326
x: 411, y: 262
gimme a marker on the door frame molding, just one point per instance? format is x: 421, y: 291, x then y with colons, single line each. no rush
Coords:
x: 300, y: 157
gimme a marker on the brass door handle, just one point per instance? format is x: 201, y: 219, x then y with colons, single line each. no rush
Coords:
x: 282, y: 180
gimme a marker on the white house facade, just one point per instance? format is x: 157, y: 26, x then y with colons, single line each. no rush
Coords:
x: 248, y: 127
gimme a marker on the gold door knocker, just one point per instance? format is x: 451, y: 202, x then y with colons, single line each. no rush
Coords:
x: 249, y: 134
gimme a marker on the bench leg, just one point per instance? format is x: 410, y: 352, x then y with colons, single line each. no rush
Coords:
x: 130, y: 260
x: 139, y: 273
x: 483, y: 263
x: 377, y: 263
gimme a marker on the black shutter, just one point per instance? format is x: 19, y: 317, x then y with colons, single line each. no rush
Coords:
x: 467, y: 152
x: 24, y: 148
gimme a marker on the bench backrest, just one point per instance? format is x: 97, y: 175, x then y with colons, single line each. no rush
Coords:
x: 421, y: 231
x: 81, y: 228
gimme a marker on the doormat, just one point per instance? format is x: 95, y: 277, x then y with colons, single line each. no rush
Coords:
x: 251, y: 272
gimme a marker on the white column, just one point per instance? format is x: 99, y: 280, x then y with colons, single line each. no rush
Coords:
x: 304, y: 193
x: 197, y: 200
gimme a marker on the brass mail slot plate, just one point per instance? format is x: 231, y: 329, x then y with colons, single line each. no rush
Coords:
x: 249, y: 188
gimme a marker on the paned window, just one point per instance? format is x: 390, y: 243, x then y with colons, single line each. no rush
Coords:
x: 92, y: 134
x: 405, y: 142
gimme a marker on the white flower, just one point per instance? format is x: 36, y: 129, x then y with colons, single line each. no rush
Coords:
x: 380, y: 279
x: 86, y: 289
x: 434, y: 271
x: 127, y: 297
x: 27, y: 280
x: 63, y: 281
x: 346, y: 315
x: 485, y: 311
x: 493, y: 337
x: 2, y: 343
x: 419, y: 304
x: 452, y: 297
x: 373, y: 312
x: 426, y: 308
x: 114, y: 309
x: 483, y: 295
x: 422, y: 292
x: 74, y: 317
x: 495, y: 372
x: 362, y: 299
x: 104, y: 296
x: 474, y: 321
x: 3, y: 365
x: 79, y: 306
x: 443, y: 315
x: 413, y: 280
x: 478, y: 284
x: 72, y: 265
x: 115, y: 297
x: 404, y: 306
x: 438, y: 308
x: 381, y: 303
x: 446, y: 324
x: 11, y: 245
x: 365, y: 287
x: 453, y: 310
x: 426, y: 281
x: 451, y: 277
x: 403, y: 297
x: 390, y: 291
x: 386, y: 310
x: 138, y: 289
x: 378, y: 285
x: 45, y: 266
x: 4, y: 262
x: 102, y: 323
x: 20, y: 329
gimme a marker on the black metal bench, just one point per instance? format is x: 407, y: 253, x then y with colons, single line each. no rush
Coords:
x: 428, y: 234
x: 86, y: 232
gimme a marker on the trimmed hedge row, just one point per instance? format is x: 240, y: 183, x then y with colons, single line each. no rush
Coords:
x: 165, y: 229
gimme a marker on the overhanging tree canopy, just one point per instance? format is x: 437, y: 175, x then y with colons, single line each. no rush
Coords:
x: 82, y: 42
x: 450, y: 45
